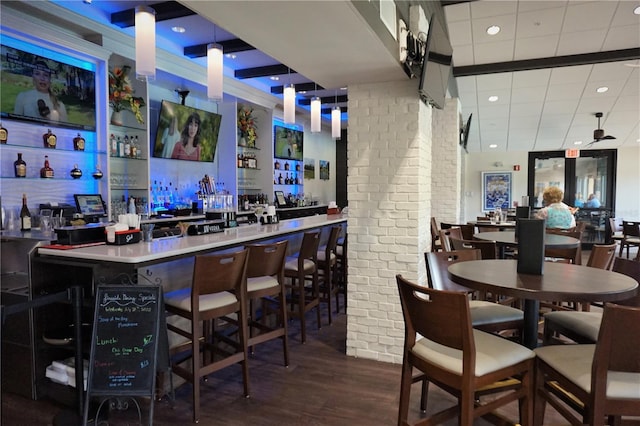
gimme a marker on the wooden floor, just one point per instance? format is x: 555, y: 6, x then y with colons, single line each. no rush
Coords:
x: 322, y: 386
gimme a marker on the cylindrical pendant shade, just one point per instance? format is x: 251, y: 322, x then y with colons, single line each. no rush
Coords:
x: 335, y: 123
x: 289, y: 104
x: 214, y: 71
x: 315, y: 114
x: 145, y: 43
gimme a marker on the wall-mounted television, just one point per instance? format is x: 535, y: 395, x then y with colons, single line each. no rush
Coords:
x: 44, y: 86
x: 186, y: 133
x: 287, y: 143
x: 436, y: 65
x: 464, y: 134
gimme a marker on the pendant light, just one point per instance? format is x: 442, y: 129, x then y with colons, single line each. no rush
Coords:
x: 145, y: 43
x: 336, y: 116
x: 316, y: 106
x: 289, y: 102
x: 214, y: 69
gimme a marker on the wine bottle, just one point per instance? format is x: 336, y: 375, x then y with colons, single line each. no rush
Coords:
x: 25, y: 216
x: 4, y: 134
x: 49, y: 139
x: 114, y: 145
x: 127, y: 146
x: 46, y: 171
x: 20, y: 167
x: 78, y: 143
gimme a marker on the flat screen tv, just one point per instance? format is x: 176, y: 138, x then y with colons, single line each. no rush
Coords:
x: 91, y: 206
x: 464, y: 134
x: 186, y: 133
x: 436, y: 65
x: 287, y: 143
x: 44, y: 86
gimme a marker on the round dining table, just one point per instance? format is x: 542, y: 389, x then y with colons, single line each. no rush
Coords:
x: 560, y: 282
x: 504, y: 239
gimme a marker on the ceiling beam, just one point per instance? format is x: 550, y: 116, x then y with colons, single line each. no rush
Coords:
x: 164, y: 11
x: 228, y: 46
x: 553, y: 62
x: 265, y: 71
x: 300, y: 87
x: 328, y: 110
x: 326, y: 100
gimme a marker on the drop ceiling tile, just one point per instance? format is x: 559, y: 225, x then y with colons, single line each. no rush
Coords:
x: 507, y: 26
x: 458, y: 12
x: 622, y: 38
x: 627, y: 103
x: 576, y: 74
x: 494, y: 81
x: 536, y: 47
x: 624, y: 14
x: 460, y: 34
x: 558, y: 123
x: 595, y: 14
x: 559, y: 107
x: 523, y: 124
x: 526, y: 6
x: 463, y: 55
x: 482, y: 9
x: 539, y: 23
x: 593, y: 105
x: 466, y: 85
x: 610, y: 70
x: 500, y: 112
x: 528, y: 95
x: 526, y: 109
x: 563, y: 92
x: 531, y: 78
x: 581, y: 42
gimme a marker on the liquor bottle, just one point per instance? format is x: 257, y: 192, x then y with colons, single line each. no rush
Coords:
x: 280, y: 179
x: 25, y: 216
x: 120, y: 147
x: 78, y: 143
x: 4, y: 134
x: 49, y: 139
x: 46, y: 171
x: 138, y: 148
x: 127, y: 146
x: 286, y: 165
x: 20, y: 167
x: 240, y: 161
x: 297, y: 167
x: 114, y: 145
x: 76, y: 173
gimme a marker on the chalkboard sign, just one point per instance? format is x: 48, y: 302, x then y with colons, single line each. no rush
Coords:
x: 125, y: 340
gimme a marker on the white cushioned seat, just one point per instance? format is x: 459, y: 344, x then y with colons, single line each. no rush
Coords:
x: 321, y: 256
x: 261, y: 283
x: 585, y: 324
x: 182, y: 299
x: 492, y: 353
x: 484, y: 312
x: 292, y: 264
x: 574, y: 362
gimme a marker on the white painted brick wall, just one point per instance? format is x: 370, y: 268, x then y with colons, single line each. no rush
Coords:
x: 389, y: 190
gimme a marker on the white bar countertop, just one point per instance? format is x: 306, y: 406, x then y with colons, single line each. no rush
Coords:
x: 159, y: 249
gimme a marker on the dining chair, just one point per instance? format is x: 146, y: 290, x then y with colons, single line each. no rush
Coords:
x: 485, y: 315
x: 615, y: 230
x: 218, y: 291
x: 466, y: 229
x: 445, y: 234
x: 583, y: 327
x: 630, y: 236
x: 467, y: 363
x: 327, y: 270
x: 487, y: 248
x: 568, y: 255
x: 435, y: 235
x: 586, y: 383
x: 299, y: 270
x: 265, y: 286
x: 602, y: 256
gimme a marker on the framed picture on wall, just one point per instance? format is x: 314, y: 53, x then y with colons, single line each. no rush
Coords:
x: 309, y: 168
x: 496, y: 190
x: 324, y: 170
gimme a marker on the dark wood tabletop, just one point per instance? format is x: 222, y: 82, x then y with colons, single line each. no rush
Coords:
x: 509, y: 238
x: 559, y: 282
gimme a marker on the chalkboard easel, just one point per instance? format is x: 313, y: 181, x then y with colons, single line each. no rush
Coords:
x: 128, y: 331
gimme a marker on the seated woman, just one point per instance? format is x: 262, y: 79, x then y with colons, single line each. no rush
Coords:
x: 557, y: 213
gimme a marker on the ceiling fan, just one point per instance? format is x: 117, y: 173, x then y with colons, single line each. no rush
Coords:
x: 598, y: 134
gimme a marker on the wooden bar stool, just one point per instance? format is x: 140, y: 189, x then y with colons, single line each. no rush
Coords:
x: 342, y: 265
x: 218, y: 289
x: 299, y: 270
x: 327, y: 264
x: 265, y: 284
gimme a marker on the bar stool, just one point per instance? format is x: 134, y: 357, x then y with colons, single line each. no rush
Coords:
x: 218, y: 288
x: 299, y: 270
x: 341, y: 267
x: 327, y: 261
x: 265, y: 282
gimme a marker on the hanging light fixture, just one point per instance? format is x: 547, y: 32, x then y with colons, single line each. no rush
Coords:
x: 214, y: 69
x: 336, y: 116
x: 316, y: 106
x: 289, y: 102
x: 145, y: 43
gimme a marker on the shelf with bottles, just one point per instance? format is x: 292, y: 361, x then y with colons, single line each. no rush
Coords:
x: 129, y: 143
x: 287, y: 178
x: 287, y: 165
x: 76, y: 142
x: 248, y: 148
x: 247, y: 161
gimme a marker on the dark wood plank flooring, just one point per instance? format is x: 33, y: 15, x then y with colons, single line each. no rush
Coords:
x: 322, y: 386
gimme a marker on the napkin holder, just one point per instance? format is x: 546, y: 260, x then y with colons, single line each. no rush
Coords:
x: 531, y: 233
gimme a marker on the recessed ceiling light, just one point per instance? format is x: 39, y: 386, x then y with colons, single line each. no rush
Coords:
x: 577, y: 143
x: 493, y: 145
x: 178, y: 29
x: 86, y: 1
x: 493, y: 30
x: 230, y: 55
x: 636, y: 10
x: 602, y: 89
x: 493, y: 98
x: 303, y: 92
x: 274, y: 78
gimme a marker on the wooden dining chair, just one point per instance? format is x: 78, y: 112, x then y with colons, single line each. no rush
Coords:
x: 466, y: 229
x: 446, y: 234
x: 465, y: 362
x: 594, y: 380
x: 602, y: 256
x: 630, y: 236
x: 435, y: 235
x: 218, y: 291
x: 488, y: 249
x: 583, y: 327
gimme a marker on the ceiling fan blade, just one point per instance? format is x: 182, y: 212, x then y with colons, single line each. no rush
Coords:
x: 609, y: 137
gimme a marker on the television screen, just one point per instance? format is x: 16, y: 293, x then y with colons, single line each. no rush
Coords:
x: 186, y: 133
x: 436, y: 65
x: 464, y: 134
x: 90, y: 205
x: 287, y: 143
x: 46, y: 87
